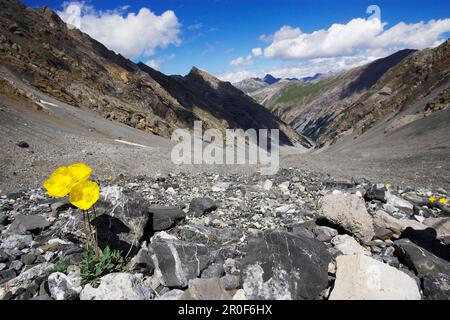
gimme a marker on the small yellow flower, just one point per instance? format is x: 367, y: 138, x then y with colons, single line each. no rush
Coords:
x: 84, y: 194
x: 432, y: 199
x: 110, y: 177
x: 60, y: 183
x: 443, y: 201
x: 388, y: 185
x: 80, y: 172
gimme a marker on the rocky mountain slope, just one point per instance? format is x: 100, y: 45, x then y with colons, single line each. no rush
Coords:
x: 37, y: 47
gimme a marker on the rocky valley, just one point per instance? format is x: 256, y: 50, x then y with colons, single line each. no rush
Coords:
x: 359, y: 209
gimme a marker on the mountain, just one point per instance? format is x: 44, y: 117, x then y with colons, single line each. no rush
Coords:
x: 269, y: 79
x: 37, y: 48
x: 250, y: 85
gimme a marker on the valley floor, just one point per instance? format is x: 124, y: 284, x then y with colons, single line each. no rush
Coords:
x: 61, y: 134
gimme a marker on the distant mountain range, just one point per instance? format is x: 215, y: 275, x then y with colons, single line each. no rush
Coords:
x: 325, y: 108
x: 253, y: 84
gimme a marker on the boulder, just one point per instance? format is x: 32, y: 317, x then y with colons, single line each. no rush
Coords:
x: 28, y: 223
x: 377, y: 192
x: 382, y: 219
x: 174, y: 294
x: 178, y: 262
x: 347, y: 245
x: 163, y: 218
x: 359, y: 277
x: 62, y: 287
x: 437, y: 287
x: 350, y: 213
x: 118, y: 286
x: 200, y: 206
x: 420, y: 260
x: 281, y: 265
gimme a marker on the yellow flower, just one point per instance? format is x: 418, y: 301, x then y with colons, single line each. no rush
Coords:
x: 80, y: 172
x: 432, y: 199
x: 388, y: 185
x: 443, y: 201
x: 110, y: 178
x: 60, y: 183
x: 84, y: 194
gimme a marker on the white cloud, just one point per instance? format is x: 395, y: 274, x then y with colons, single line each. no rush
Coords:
x: 241, y: 61
x: 236, y: 76
x: 153, y: 63
x: 358, y: 36
x: 131, y: 34
x: 156, y: 63
x: 195, y: 26
x: 257, y: 52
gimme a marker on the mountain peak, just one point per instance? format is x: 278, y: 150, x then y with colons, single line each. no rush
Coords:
x: 269, y: 79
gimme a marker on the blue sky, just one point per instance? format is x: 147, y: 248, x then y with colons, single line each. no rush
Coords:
x: 219, y: 35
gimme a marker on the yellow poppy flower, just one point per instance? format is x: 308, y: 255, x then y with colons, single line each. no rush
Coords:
x: 60, y: 183
x: 388, y: 185
x: 80, y: 172
x: 443, y: 201
x: 84, y: 194
x: 432, y: 199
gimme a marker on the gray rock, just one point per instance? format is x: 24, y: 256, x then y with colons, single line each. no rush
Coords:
x: 215, y: 270
x: 208, y: 235
x: 118, y: 286
x: 16, y: 241
x: 27, y: 278
x: 6, y: 275
x: 200, y: 206
x: 3, y: 219
x: 142, y: 262
x: 163, y: 218
x: 178, y: 262
x: 121, y: 221
x: 28, y: 259
x: 231, y: 282
x: 31, y: 223
x: 377, y: 192
x: 281, y: 265
x: 174, y: 294
x: 325, y: 233
x: 16, y: 265
x: 437, y: 287
x: 62, y: 287
x: 383, y: 220
x: 206, y: 289
x: 349, y: 212
x: 359, y: 277
x: 423, y: 262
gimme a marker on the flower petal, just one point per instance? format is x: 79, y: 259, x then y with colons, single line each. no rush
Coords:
x: 80, y: 172
x: 84, y: 195
x: 60, y: 183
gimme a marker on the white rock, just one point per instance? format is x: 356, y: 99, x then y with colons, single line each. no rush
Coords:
x: 240, y: 295
x: 349, y: 212
x: 117, y: 286
x: 398, y: 202
x: 63, y: 287
x: 359, y: 277
x: 268, y: 185
x: 284, y: 187
x: 348, y: 245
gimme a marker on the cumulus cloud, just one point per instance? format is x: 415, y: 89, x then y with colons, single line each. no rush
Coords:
x: 257, y: 52
x: 241, y: 61
x: 236, y: 76
x: 131, y: 34
x: 156, y: 63
x: 353, y: 38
